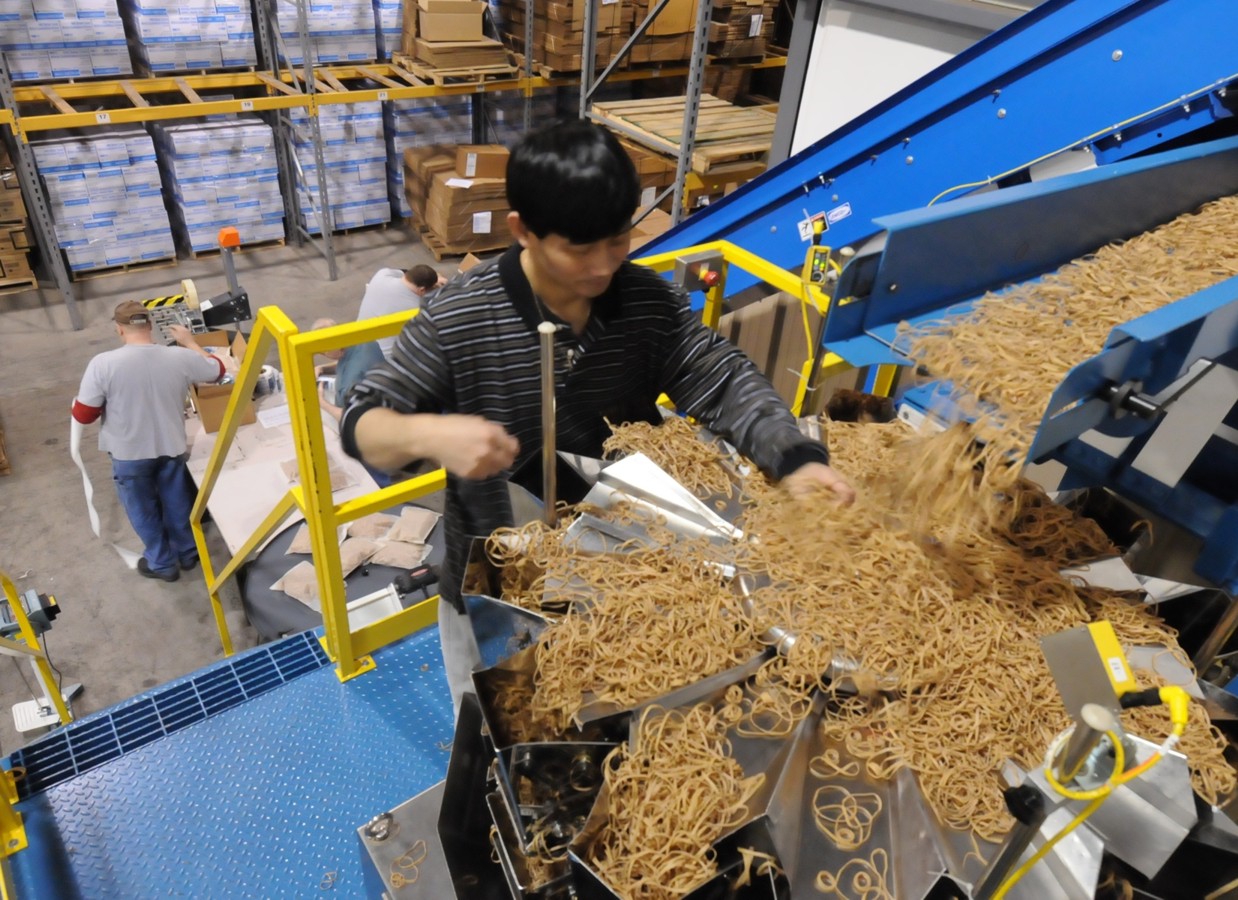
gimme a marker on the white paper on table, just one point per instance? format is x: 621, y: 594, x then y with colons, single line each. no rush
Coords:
x: 274, y: 416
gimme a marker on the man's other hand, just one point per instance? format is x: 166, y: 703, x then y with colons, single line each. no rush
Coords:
x: 473, y: 447
x: 182, y: 336
x: 811, y: 479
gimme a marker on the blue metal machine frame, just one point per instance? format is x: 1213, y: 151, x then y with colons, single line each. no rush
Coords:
x: 1115, y: 77
x: 937, y: 261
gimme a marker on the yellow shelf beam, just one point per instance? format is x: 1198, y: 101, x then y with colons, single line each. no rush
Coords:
x: 180, y: 97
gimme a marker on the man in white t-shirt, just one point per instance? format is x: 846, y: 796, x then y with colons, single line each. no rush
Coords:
x: 139, y: 391
x: 392, y: 291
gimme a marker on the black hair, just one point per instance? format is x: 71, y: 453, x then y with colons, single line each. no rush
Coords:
x: 422, y: 276
x: 573, y: 179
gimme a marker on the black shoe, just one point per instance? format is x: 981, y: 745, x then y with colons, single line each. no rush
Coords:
x: 189, y: 564
x: 146, y: 571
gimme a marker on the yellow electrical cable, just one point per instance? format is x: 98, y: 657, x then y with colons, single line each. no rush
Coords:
x: 1044, y: 851
x: 1178, y: 702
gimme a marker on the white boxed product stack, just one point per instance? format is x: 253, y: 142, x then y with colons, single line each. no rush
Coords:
x: 418, y: 123
x: 221, y: 174
x: 355, y: 155
x: 45, y: 39
x: 340, y: 31
x: 184, y: 35
x: 106, y: 199
x: 390, y: 15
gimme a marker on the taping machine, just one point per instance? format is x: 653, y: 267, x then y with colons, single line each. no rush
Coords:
x: 198, y: 315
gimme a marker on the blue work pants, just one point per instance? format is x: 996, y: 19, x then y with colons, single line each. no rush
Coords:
x: 158, y: 495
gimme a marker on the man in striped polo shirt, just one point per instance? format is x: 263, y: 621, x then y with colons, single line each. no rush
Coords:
x: 462, y: 387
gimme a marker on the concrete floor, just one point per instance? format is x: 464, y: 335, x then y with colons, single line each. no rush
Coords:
x: 119, y: 633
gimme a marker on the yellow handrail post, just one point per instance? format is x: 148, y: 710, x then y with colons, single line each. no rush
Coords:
x: 259, y: 345
x: 26, y: 643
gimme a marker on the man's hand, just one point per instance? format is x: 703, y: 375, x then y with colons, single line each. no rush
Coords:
x: 811, y: 478
x: 473, y: 447
x: 182, y: 336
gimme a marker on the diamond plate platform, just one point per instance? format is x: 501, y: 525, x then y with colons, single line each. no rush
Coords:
x: 259, y: 800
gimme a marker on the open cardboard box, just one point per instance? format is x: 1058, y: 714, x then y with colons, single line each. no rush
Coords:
x: 212, y: 399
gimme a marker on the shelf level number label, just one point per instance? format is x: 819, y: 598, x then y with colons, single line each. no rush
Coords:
x: 103, y: 118
x: 247, y: 106
x: 382, y: 95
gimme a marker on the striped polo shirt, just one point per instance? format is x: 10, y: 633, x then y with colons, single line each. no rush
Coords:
x: 474, y: 350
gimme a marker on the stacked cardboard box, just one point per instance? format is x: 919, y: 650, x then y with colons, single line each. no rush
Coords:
x: 417, y: 124
x: 106, y: 199
x: 464, y: 203
x: 655, y: 171
x: 181, y: 35
x: 726, y: 82
x: 771, y: 333
x: 355, y: 158
x: 669, y: 37
x: 340, y: 31
x: 15, y: 271
x: 220, y: 174
x: 739, y: 28
x: 449, y: 34
x: 558, y: 31
x: 63, y: 39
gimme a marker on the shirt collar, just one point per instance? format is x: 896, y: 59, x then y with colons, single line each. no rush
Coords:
x: 606, y: 306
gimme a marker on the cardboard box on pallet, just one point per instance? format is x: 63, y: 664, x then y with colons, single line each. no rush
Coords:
x: 664, y: 48
x: 420, y: 164
x: 11, y: 206
x: 14, y: 237
x: 212, y: 399
x: 15, y: 264
x: 481, y: 161
x: 464, y: 209
x: 457, y: 20
x: 677, y: 17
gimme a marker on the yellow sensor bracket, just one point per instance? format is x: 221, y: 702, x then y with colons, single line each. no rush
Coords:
x: 1088, y: 666
x: 816, y: 265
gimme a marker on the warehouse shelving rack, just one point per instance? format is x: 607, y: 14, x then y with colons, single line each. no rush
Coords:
x: 277, y: 90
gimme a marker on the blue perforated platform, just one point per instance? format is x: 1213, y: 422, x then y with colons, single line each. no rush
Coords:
x: 247, y: 779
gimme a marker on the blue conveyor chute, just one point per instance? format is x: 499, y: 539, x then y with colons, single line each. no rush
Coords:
x: 1151, y: 414
x: 1108, y: 77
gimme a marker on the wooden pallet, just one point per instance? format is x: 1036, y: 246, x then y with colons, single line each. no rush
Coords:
x: 442, y: 77
x: 442, y: 249
x: 166, y: 262
x: 725, y: 133
x: 244, y: 248
x: 18, y: 285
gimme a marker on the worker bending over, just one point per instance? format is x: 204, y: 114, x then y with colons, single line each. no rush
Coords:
x: 462, y: 387
x: 139, y: 391
x: 392, y: 290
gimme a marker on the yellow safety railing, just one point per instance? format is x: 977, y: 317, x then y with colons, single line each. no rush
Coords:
x: 25, y: 643
x: 818, y: 363
x: 312, y: 496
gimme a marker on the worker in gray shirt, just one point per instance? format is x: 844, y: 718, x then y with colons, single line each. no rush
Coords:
x: 139, y: 391
x: 392, y: 291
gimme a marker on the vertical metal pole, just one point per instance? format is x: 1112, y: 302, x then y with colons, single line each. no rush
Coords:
x: 794, y: 78
x: 587, y: 52
x: 36, y: 201
x: 326, y: 219
x: 268, y: 57
x: 528, y: 65
x: 691, y: 104
x: 546, y: 334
